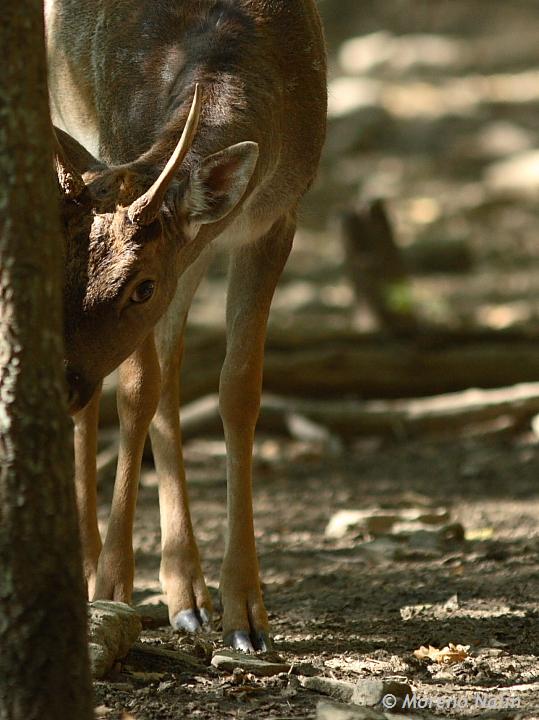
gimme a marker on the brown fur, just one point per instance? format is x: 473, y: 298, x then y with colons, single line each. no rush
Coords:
x: 122, y: 75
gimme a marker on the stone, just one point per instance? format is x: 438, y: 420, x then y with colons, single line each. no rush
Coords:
x: 367, y: 692
x: 337, y: 711
x: 337, y: 689
x: 373, y: 691
x: 382, y: 522
x: 344, y: 521
x: 113, y: 627
x: 230, y: 660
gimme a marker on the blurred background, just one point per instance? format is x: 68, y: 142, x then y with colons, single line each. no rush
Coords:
x: 414, y: 270
x: 433, y: 106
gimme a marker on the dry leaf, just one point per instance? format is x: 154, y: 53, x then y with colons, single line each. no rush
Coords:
x: 479, y: 534
x: 446, y: 656
x: 102, y: 711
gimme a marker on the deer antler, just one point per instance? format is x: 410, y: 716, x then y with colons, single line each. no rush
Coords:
x: 69, y: 178
x: 144, y: 209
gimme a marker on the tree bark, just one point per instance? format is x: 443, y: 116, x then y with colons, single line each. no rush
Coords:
x: 44, y: 671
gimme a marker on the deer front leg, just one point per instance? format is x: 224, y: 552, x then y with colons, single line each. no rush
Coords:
x: 138, y: 395
x: 254, y: 272
x: 181, y: 577
x: 189, y: 604
x: 85, y: 445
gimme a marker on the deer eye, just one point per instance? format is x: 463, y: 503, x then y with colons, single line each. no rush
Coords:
x: 143, y: 292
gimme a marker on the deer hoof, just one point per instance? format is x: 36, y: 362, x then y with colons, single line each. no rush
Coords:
x: 192, y: 621
x: 258, y: 640
x: 262, y: 641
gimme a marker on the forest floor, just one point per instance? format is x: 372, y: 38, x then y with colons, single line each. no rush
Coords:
x: 359, y: 605
x: 448, y: 133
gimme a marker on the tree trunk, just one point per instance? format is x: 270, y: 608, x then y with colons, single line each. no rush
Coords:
x: 376, y: 269
x: 44, y: 671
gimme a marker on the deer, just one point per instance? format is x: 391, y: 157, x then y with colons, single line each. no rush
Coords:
x: 181, y: 127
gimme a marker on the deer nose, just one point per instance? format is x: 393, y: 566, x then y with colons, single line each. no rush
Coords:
x: 79, y: 391
x: 73, y: 380
x: 72, y: 400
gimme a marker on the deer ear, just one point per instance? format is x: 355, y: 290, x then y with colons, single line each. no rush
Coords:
x: 77, y: 155
x: 217, y: 185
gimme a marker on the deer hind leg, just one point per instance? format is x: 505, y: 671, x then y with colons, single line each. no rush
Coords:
x: 180, y: 574
x: 254, y: 272
x: 85, y: 442
x: 138, y: 395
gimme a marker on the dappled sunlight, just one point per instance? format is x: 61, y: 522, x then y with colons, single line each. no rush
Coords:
x: 397, y: 445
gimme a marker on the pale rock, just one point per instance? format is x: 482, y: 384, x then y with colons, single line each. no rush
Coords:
x: 372, y: 691
x: 230, y: 660
x: 337, y: 689
x: 365, y: 692
x: 379, y: 522
x: 334, y: 711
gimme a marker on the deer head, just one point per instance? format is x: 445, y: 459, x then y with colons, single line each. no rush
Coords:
x: 124, y: 229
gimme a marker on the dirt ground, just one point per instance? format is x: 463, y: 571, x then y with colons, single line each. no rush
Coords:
x: 346, y: 608
x: 448, y: 138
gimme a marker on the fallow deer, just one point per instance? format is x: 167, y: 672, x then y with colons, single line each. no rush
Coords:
x: 143, y: 214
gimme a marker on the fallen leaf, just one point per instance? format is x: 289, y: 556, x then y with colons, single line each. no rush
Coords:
x: 446, y: 656
x: 102, y: 711
x: 479, y: 534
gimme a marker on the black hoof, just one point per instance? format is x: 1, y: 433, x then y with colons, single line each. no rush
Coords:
x: 192, y: 621
x: 245, y: 642
x: 239, y: 640
x: 205, y: 619
x: 262, y: 641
